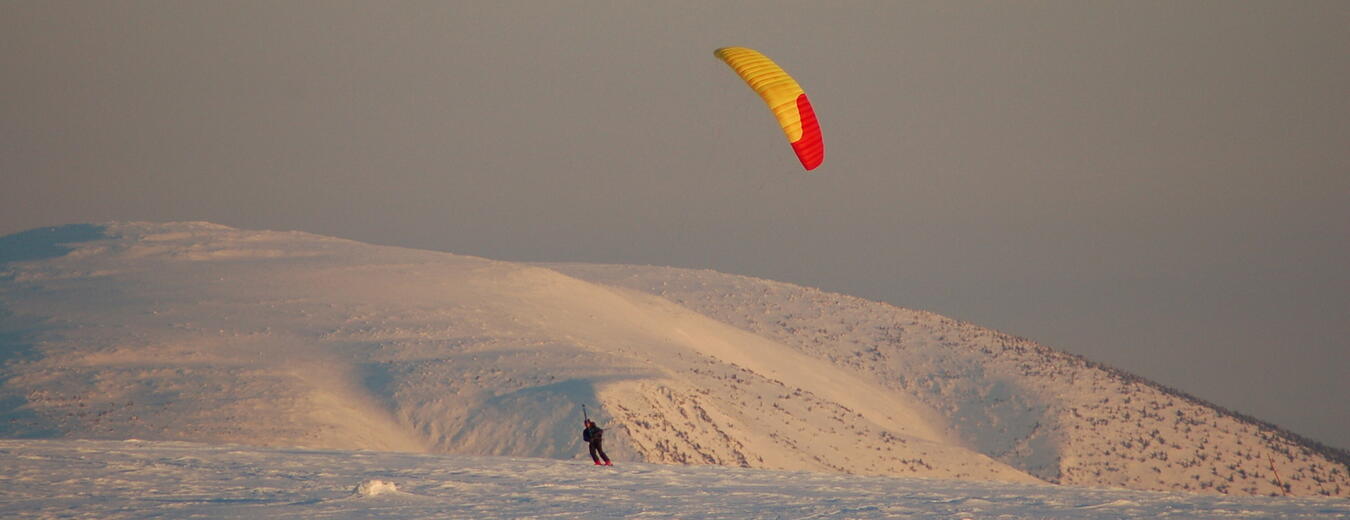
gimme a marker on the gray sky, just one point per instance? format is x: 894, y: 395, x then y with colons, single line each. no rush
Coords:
x: 1160, y: 186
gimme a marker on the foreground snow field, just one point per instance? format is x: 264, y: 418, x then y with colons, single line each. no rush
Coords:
x: 142, y: 479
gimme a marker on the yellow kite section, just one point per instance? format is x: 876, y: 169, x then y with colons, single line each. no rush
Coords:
x: 774, y: 85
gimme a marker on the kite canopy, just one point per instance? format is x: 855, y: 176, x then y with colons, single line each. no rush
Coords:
x: 784, y: 96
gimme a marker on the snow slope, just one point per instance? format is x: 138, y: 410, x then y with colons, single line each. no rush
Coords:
x: 199, y: 332
x: 110, y: 480
x: 1057, y: 416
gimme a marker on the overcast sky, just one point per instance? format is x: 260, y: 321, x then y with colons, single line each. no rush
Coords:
x: 1159, y: 186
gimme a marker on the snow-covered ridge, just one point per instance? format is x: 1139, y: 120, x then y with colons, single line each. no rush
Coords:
x: 200, y: 332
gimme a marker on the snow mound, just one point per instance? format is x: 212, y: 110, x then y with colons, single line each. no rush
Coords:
x: 371, y: 488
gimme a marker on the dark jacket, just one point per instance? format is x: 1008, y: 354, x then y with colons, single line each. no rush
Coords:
x: 592, y: 433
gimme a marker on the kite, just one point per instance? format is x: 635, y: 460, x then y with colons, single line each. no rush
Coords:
x: 784, y: 96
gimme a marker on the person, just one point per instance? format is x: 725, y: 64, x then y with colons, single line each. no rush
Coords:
x: 594, y: 435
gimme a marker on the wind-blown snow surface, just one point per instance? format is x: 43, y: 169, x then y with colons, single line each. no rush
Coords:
x: 199, y: 332
x: 136, y: 479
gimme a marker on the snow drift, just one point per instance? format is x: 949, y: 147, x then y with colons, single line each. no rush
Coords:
x: 111, y: 480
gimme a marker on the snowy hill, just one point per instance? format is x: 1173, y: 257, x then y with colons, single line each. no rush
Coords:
x: 199, y: 332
